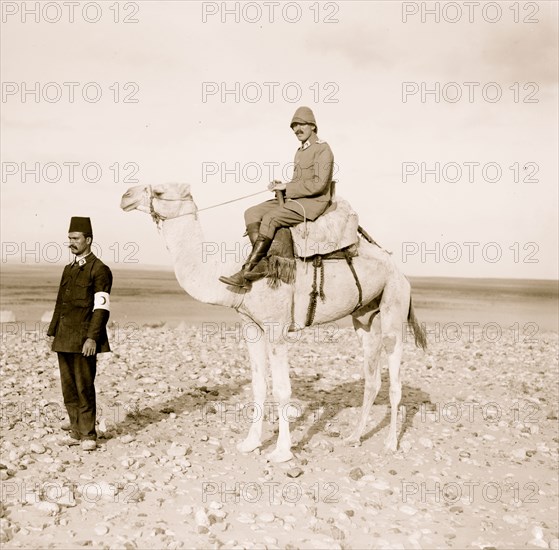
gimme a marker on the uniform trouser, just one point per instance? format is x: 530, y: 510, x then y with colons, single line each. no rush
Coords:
x: 272, y: 216
x: 77, y: 376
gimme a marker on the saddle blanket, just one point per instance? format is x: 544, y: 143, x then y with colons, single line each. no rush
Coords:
x: 333, y: 230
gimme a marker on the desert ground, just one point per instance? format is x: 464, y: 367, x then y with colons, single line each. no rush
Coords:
x: 476, y: 465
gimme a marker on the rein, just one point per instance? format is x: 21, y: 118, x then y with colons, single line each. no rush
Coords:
x: 158, y: 218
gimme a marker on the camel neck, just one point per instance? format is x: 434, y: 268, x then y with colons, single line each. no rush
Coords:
x: 197, y: 268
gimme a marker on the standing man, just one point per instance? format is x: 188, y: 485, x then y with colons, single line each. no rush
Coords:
x: 307, y: 195
x: 79, y: 329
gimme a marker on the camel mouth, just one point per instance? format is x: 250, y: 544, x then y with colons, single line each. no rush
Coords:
x: 127, y: 204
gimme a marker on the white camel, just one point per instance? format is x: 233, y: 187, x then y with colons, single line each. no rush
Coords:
x: 380, y: 323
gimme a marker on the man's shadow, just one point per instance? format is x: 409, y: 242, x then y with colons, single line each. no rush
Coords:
x: 193, y: 400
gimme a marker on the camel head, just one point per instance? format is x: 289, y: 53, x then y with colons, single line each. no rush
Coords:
x: 163, y: 201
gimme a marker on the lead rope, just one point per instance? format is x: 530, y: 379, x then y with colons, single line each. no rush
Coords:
x: 311, y: 310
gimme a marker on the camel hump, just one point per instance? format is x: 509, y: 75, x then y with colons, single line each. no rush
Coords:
x: 332, y: 231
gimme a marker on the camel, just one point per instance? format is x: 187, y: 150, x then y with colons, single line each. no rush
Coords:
x: 379, y: 323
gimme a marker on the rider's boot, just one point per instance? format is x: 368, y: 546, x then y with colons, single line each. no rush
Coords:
x: 259, y: 250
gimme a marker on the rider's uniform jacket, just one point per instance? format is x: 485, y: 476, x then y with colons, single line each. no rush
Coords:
x: 312, y: 177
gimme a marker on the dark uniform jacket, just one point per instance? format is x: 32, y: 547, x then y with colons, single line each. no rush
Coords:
x: 312, y: 178
x: 74, y: 319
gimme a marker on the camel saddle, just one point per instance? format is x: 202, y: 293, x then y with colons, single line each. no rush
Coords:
x: 332, y: 236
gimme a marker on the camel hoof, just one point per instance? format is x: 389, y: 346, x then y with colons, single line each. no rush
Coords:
x: 279, y: 456
x: 391, y: 445
x: 248, y: 445
x: 352, y: 441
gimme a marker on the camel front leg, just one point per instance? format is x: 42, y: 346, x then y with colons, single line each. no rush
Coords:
x: 277, y: 356
x: 370, y: 338
x: 256, y: 345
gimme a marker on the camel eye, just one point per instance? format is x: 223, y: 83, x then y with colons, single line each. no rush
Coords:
x: 157, y: 194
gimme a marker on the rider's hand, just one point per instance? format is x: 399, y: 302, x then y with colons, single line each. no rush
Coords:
x: 276, y: 185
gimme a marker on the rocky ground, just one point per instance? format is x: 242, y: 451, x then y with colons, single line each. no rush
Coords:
x: 476, y: 466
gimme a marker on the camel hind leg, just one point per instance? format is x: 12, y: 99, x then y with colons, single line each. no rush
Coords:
x: 370, y: 337
x: 394, y: 309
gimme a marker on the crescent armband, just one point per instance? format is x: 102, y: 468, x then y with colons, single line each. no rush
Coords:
x: 101, y: 300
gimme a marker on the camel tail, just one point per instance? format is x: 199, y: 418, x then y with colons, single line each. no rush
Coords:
x: 418, y: 330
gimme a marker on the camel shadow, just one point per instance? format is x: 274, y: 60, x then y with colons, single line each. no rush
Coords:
x: 325, y: 405
x: 322, y: 409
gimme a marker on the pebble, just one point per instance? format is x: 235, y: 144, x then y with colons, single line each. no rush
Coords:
x: 245, y: 517
x: 177, y: 450
x: 426, y: 442
x: 511, y: 520
x: 408, y: 510
x: 202, y: 520
x: 538, y: 543
x: 37, y: 448
x: 294, y: 472
x: 356, y: 474
x: 519, y: 454
x: 380, y: 484
x: 266, y: 517
x: 101, y: 529
x: 50, y: 508
x: 128, y: 438
x: 66, y: 499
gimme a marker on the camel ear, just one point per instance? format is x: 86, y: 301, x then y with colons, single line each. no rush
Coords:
x: 185, y: 191
x: 158, y: 190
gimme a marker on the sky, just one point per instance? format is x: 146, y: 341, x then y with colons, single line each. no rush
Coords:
x: 404, y: 93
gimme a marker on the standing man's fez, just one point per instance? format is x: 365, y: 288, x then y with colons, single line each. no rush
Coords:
x: 83, y: 225
x: 303, y: 115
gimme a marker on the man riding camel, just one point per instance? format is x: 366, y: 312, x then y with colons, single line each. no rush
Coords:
x: 307, y: 195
